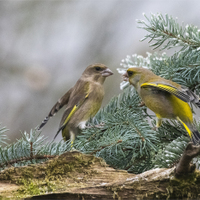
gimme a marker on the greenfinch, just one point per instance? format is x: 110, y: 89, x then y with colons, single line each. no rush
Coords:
x: 165, y: 98
x: 82, y: 101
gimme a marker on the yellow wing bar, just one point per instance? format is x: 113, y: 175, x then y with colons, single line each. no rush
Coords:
x: 70, y: 114
x: 171, y: 89
x: 74, y: 109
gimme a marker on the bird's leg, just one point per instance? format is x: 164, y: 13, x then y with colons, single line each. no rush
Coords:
x: 72, y: 138
x: 72, y: 142
x: 158, y: 123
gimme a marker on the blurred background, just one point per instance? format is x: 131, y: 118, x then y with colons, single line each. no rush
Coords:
x: 46, y: 45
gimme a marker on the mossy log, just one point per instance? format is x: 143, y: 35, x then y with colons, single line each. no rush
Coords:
x: 74, y: 175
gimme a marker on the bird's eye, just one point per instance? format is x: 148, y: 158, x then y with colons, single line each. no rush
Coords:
x: 130, y: 73
x: 98, y: 68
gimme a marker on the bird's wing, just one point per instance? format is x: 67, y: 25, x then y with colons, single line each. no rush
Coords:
x: 60, y: 103
x: 182, y: 93
x: 79, y: 96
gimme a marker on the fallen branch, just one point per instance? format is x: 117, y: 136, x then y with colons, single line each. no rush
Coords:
x: 74, y: 175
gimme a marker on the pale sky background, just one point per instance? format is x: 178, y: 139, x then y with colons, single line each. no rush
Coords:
x: 46, y: 45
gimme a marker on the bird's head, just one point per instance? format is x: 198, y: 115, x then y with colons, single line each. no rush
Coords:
x: 138, y: 75
x: 98, y: 72
x: 133, y: 75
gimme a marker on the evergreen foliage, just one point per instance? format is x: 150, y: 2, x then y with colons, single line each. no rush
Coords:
x: 122, y: 132
x: 166, y: 29
x: 3, y: 136
x: 31, y: 148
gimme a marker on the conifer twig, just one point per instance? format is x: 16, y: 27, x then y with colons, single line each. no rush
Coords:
x: 38, y: 157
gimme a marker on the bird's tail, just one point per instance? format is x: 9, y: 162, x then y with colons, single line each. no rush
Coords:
x: 193, y: 98
x: 53, y: 111
x: 198, y: 103
x: 192, y: 131
x: 46, y: 119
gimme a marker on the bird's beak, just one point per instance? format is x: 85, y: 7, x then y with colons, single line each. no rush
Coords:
x: 106, y: 72
x: 125, y: 77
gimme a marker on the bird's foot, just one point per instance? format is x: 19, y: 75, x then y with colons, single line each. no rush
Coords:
x: 72, y: 142
x: 154, y: 128
x: 141, y: 104
x: 101, y: 125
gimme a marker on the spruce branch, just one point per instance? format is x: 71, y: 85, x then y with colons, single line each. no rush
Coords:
x: 166, y: 29
x: 3, y: 137
x: 22, y: 159
x: 170, y: 153
x: 31, y: 148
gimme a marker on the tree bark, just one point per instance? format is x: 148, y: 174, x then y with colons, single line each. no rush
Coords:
x: 74, y: 175
x: 184, y: 166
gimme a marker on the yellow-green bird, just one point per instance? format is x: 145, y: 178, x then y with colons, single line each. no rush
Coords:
x: 82, y: 101
x: 165, y: 98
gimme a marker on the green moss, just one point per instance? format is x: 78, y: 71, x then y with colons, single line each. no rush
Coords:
x: 4, y: 198
x: 185, y: 186
x: 49, y: 176
x: 35, y: 187
x: 71, y: 168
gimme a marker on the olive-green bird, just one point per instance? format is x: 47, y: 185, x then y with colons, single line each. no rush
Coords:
x: 82, y: 101
x: 165, y: 98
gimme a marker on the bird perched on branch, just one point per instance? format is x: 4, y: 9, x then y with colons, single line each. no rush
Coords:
x: 82, y: 101
x: 165, y: 98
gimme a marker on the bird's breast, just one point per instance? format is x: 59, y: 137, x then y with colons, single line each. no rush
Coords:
x: 89, y: 108
x: 158, y: 101
x: 166, y: 105
x: 81, y: 124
